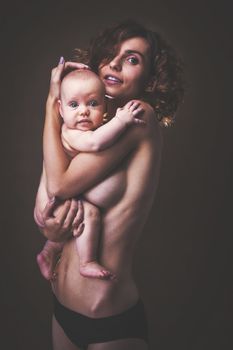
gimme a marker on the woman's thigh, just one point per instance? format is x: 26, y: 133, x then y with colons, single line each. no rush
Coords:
x: 60, y: 340
x: 121, y: 344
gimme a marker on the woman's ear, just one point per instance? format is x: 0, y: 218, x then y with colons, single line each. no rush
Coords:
x: 150, y: 85
x: 60, y: 108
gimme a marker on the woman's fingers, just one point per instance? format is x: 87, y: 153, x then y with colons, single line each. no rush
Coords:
x: 77, y: 231
x: 78, y: 224
x: 76, y: 65
x: 68, y: 217
x: 57, y: 72
x: 71, y: 214
x: 61, y: 60
x: 49, y: 208
x: 62, y: 213
x: 56, y: 79
x: 79, y: 216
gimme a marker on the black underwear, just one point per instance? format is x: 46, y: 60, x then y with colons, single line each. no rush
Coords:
x: 83, y: 330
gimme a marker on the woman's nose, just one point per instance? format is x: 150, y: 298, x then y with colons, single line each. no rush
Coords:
x: 115, y: 64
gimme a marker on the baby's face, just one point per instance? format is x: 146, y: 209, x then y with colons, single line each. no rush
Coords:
x: 82, y: 103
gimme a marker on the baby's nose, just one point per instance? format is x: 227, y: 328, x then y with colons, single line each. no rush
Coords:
x: 84, y: 110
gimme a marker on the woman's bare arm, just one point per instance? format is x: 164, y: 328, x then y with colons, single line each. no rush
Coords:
x: 57, y: 219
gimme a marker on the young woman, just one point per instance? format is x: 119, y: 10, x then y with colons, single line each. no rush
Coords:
x: 93, y: 314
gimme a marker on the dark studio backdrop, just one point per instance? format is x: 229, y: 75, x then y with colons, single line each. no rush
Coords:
x: 184, y: 259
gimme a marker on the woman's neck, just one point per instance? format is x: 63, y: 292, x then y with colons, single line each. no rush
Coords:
x: 113, y: 104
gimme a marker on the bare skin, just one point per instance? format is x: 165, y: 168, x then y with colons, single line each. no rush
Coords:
x: 68, y: 214
x: 82, y: 130
x: 122, y: 225
x: 87, y: 244
x: 137, y: 155
x: 48, y: 258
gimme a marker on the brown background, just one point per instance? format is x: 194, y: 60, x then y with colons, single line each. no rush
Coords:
x: 184, y: 261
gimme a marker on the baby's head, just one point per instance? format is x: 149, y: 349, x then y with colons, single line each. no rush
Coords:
x: 82, y: 100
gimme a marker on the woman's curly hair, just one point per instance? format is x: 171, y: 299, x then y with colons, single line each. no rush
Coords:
x: 166, y: 87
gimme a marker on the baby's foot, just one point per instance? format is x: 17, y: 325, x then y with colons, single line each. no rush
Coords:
x: 48, y: 257
x: 94, y: 270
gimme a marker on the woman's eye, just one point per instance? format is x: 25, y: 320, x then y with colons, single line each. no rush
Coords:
x: 133, y: 60
x: 73, y: 104
x: 93, y: 103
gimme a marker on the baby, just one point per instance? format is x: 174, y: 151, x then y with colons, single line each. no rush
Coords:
x: 82, y: 107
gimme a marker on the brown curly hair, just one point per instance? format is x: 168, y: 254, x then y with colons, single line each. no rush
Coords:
x: 166, y: 88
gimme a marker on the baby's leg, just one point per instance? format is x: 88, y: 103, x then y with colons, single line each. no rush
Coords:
x: 87, y: 245
x: 48, y: 258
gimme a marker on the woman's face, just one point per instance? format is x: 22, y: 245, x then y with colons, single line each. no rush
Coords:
x: 127, y: 75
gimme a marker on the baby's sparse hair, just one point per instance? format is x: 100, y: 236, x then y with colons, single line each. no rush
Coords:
x: 82, y: 74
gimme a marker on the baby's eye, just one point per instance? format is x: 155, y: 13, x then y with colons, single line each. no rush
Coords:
x: 73, y: 104
x: 133, y: 60
x: 93, y: 103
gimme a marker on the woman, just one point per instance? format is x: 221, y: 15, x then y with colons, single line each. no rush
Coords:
x: 133, y: 63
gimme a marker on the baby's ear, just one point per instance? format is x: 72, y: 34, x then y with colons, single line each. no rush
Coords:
x: 60, y: 109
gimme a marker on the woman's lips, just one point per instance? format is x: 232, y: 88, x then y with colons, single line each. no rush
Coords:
x: 112, y: 80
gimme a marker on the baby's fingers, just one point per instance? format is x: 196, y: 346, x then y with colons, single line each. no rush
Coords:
x: 137, y: 113
x: 139, y: 121
x: 134, y: 106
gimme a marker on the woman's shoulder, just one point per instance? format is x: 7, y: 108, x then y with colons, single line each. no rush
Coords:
x: 149, y: 115
x: 148, y: 110
x: 151, y: 132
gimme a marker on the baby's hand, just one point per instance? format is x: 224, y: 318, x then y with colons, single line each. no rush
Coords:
x: 130, y: 113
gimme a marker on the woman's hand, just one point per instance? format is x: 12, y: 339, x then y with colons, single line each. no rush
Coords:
x: 55, y: 82
x: 60, y: 219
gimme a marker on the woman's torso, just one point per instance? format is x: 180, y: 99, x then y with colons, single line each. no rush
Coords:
x: 132, y: 192
x: 109, y: 191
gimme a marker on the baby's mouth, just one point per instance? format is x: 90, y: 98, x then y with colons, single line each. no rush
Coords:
x: 84, y: 121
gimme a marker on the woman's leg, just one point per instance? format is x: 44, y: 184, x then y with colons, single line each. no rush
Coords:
x: 121, y: 344
x: 60, y: 340
x: 87, y: 244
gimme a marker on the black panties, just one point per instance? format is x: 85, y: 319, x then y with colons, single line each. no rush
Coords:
x: 83, y: 330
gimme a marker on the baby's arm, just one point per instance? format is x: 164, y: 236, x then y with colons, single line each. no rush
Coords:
x: 69, y: 138
x: 106, y: 135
